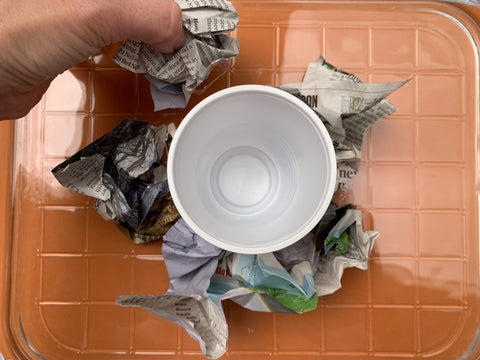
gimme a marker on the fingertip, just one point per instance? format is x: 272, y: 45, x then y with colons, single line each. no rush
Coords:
x: 170, y: 46
x: 179, y: 42
x: 156, y: 22
x: 174, y: 39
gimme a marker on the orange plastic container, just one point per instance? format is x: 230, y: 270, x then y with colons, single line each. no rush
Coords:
x: 63, y: 267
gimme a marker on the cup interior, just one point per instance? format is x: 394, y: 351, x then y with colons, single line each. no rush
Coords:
x: 251, y: 169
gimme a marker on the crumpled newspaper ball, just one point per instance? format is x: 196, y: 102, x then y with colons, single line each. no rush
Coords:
x: 122, y: 170
x: 174, y: 77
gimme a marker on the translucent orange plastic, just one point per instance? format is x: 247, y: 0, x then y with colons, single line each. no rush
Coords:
x: 63, y: 266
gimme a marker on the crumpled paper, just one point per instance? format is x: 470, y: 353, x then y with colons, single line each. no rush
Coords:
x: 347, y: 108
x: 123, y: 172
x: 203, y: 320
x: 188, y: 276
x: 202, y: 276
x: 292, y: 279
x: 174, y: 77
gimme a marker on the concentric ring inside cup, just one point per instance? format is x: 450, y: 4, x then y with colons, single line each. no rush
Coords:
x: 251, y: 169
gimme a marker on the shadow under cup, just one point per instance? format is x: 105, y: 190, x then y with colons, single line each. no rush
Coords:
x: 252, y: 169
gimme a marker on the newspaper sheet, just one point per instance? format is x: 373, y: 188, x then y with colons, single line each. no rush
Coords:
x: 174, y: 77
x: 203, y: 276
x: 347, y: 107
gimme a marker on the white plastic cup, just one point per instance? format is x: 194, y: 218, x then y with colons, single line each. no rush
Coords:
x: 251, y: 169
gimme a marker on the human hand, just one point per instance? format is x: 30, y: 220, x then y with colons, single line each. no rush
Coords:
x: 40, y: 39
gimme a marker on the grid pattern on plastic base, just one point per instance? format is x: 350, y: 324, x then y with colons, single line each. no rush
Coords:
x: 416, y: 187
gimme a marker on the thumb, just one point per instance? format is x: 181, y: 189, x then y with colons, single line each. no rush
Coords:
x: 156, y: 22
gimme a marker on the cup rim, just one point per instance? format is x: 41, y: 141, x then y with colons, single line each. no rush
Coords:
x: 331, y: 177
